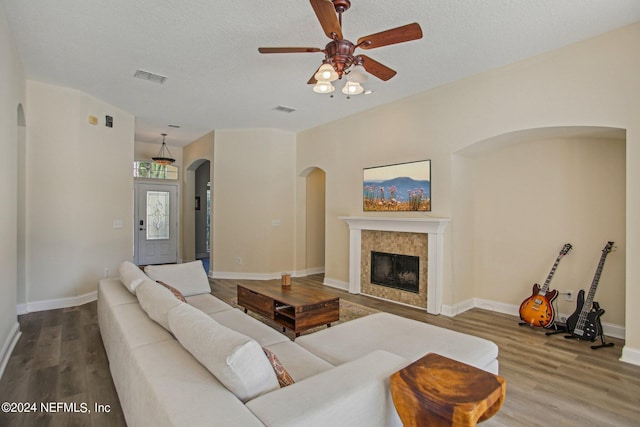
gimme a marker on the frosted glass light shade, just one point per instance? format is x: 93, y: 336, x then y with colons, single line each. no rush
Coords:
x: 352, y: 88
x: 326, y: 73
x: 323, y: 87
x: 357, y: 74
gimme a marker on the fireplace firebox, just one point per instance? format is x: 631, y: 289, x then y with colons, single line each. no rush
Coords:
x: 395, y: 271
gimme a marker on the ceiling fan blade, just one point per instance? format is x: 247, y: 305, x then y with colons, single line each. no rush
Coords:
x: 377, y: 69
x: 326, y: 13
x: 288, y: 49
x: 395, y: 35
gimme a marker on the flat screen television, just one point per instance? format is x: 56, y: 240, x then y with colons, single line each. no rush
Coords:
x: 402, y: 187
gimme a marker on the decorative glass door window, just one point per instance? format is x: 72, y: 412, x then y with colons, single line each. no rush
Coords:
x: 157, y: 215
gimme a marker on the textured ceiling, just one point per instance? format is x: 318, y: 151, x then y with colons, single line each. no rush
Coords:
x: 208, y: 49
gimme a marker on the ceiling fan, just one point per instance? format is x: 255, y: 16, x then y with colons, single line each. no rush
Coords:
x: 339, y: 52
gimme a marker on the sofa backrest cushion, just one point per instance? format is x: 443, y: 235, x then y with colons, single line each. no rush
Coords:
x: 189, y: 277
x: 236, y: 360
x: 156, y: 301
x: 176, y: 293
x: 131, y: 276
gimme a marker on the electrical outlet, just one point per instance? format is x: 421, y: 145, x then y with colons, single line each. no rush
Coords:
x: 568, y: 295
x: 562, y: 318
x: 238, y: 260
x: 107, y: 272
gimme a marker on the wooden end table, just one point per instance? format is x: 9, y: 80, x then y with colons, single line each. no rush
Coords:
x: 438, y: 391
x: 293, y: 307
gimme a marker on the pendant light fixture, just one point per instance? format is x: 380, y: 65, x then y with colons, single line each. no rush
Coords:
x: 164, y: 155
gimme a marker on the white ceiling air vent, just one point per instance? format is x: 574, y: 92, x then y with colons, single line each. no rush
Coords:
x: 147, y: 75
x: 284, y: 109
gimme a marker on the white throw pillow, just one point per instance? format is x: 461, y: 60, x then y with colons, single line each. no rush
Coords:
x: 236, y: 360
x: 189, y: 278
x: 156, y: 301
x: 131, y: 276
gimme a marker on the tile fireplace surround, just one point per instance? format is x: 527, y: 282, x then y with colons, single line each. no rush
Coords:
x: 433, y: 227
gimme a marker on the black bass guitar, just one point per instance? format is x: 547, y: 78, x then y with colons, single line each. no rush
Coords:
x: 584, y: 323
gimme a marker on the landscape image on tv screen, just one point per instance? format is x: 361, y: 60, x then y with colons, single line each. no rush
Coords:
x: 402, y: 187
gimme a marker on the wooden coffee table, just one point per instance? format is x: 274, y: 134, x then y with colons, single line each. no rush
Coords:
x: 438, y: 391
x: 293, y: 307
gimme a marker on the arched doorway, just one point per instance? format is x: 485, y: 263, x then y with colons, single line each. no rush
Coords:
x: 315, y: 207
x: 202, y: 214
x: 197, y: 219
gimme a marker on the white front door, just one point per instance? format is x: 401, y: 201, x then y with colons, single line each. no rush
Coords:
x: 156, y: 223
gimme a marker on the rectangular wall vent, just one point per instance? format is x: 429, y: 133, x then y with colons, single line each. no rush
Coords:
x: 152, y: 77
x: 284, y: 109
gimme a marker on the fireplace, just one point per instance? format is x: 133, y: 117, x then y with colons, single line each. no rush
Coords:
x: 430, y: 249
x: 395, y: 271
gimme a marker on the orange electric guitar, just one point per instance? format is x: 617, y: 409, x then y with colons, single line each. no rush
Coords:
x: 537, y: 310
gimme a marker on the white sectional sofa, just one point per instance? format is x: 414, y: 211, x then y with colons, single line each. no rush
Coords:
x: 201, y: 362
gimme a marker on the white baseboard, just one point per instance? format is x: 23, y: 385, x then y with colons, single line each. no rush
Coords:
x: 630, y: 355
x: 610, y: 329
x: 308, y: 272
x: 8, y: 346
x: 263, y: 276
x: 243, y: 276
x: 54, y: 304
x: 338, y: 284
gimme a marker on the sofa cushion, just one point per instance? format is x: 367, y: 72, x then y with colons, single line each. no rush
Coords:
x: 167, y: 387
x: 300, y: 362
x: 236, y: 360
x: 247, y: 325
x: 176, y: 293
x: 156, y: 301
x: 189, y: 278
x: 405, y: 337
x: 208, y: 304
x: 131, y: 276
x: 284, y: 378
x: 354, y: 394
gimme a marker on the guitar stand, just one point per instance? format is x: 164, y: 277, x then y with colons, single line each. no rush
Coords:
x: 602, y: 344
x: 558, y: 329
x: 593, y: 347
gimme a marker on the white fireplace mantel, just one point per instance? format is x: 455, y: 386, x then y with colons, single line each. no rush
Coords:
x: 434, y: 227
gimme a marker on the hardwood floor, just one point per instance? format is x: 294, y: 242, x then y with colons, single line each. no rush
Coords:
x: 60, y: 358
x: 551, y: 381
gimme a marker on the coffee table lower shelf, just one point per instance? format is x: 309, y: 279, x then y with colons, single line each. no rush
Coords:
x: 295, y: 309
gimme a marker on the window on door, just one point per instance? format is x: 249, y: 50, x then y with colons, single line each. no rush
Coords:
x: 158, y: 216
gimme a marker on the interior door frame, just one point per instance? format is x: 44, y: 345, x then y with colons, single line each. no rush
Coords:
x: 136, y: 184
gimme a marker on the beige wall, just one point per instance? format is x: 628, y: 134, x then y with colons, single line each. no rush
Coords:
x: 531, y: 198
x: 79, y: 182
x: 254, y: 202
x: 592, y: 83
x: 12, y: 90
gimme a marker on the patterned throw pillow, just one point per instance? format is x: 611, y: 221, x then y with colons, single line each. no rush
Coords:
x: 284, y: 378
x: 173, y: 290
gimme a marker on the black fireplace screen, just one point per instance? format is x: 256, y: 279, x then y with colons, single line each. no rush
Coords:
x: 395, y: 271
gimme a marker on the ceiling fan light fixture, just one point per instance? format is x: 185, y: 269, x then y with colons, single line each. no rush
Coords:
x: 323, y: 87
x: 326, y: 73
x: 357, y: 74
x: 352, y: 88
